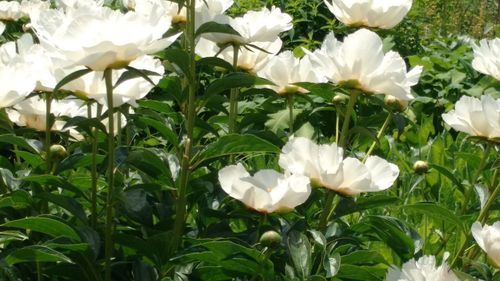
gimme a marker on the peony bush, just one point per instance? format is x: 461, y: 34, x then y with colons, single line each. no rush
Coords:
x: 187, y: 140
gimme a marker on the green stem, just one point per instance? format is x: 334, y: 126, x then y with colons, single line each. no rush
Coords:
x: 381, y: 132
x: 181, y: 203
x: 483, y: 214
x: 108, y: 249
x: 347, y: 118
x: 480, y: 169
x: 327, y: 212
x: 290, y: 98
x: 337, y: 123
x: 94, y: 174
x: 48, y: 128
x: 39, y: 274
x: 233, y: 98
x: 325, y: 216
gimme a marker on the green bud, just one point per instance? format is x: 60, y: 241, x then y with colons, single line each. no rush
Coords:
x: 270, y: 239
x: 395, y: 104
x: 340, y: 99
x: 58, y: 152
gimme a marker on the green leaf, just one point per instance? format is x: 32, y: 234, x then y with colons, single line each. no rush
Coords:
x: 445, y: 172
x: 67, y: 203
x: 86, y: 124
x: 235, y: 80
x: 361, y: 273
x: 133, y: 73
x: 163, y: 129
x: 36, y: 253
x: 391, y: 231
x: 235, y: 144
x: 45, y: 225
x: 18, y: 199
x: 280, y: 120
x: 347, y: 205
x: 177, y: 57
x: 19, y: 141
x: 436, y: 212
x: 149, y: 162
x: 214, y: 62
x: 78, y: 160
x: 332, y: 265
x: 325, y: 91
x: 214, y: 27
x: 9, y: 235
x: 300, y: 252
x: 70, y: 77
x: 54, y: 181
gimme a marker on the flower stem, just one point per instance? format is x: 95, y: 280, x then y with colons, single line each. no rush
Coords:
x: 108, y: 249
x: 48, y: 127
x: 94, y: 175
x: 290, y: 98
x: 233, y: 98
x: 381, y: 132
x: 325, y: 215
x: 181, y: 203
x: 327, y: 212
x: 483, y: 214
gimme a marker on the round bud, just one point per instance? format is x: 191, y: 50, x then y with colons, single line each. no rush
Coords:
x: 58, y: 152
x: 421, y: 167
x: 270, y: 239
x: 340, y: 99
x: 395, y: 104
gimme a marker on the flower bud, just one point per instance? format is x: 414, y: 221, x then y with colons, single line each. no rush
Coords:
x: 421, y: 167
x: 270, y: 239
x: 395, y: 104
x: 340, y: 99
x: 58, y: 152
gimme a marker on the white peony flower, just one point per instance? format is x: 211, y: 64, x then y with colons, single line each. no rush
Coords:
x: 487, y: 57
x: 2, y: 27
x: 425, y: 269
x: 250, y: 59
x: 488, y: 238
x: 101, y: 38
x: 92, y: 85
x: 267, y: 191
x: 18, y: 81
x: 205, y: 10
x: 31, y: 113
x: 326, y: 167
x: 476, y: 117
x: 285, y: 69
x: 370, y: 13
x: 15, y: 10
x: 254, y: 26
x: 360, y: 62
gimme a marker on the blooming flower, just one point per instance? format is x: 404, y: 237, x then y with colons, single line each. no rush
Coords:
x: 14, y: 10
x: 476, y: 117
x: 423, y: 269
x: 326, y: 167
x: 285, y: 69
x: 361, y: 63
x: 101, y: 38
x: 267, y: 191
x: 31, y: 113
x: 253, y: 26
x: 371, y: 13
x: 250, y: 59
x: 18, y: 81
x: 487, y: 57
x: 488, y: 238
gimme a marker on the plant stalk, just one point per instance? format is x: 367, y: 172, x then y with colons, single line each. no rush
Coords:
x: 181, y: 203
x: 48, y: 128
x: 233, y: 98
x: 381, y: 132
x: 290, y: 98
x: 94, y: 174
x: 108, y: 249
x: 325, y: 215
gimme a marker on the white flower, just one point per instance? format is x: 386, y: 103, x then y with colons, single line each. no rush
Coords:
x: 2, y: 27
x: 267, y: 191
x: 101, y: 38
x: 14, y: 10
x: 31, y: 113
x: 73, y: 4
x: 205, y: 10
x: 425, y: 269
x: 326, y: 167
x: 476, y: 117
x: 371, y: 13
x: 487, y: 57
x: 254, y: 26
x: 250, y: 59
x: 92, y: 85
x: 488, y: 238
x: 361, y: 63
x: 18, y: 81
x: 285, y: 69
